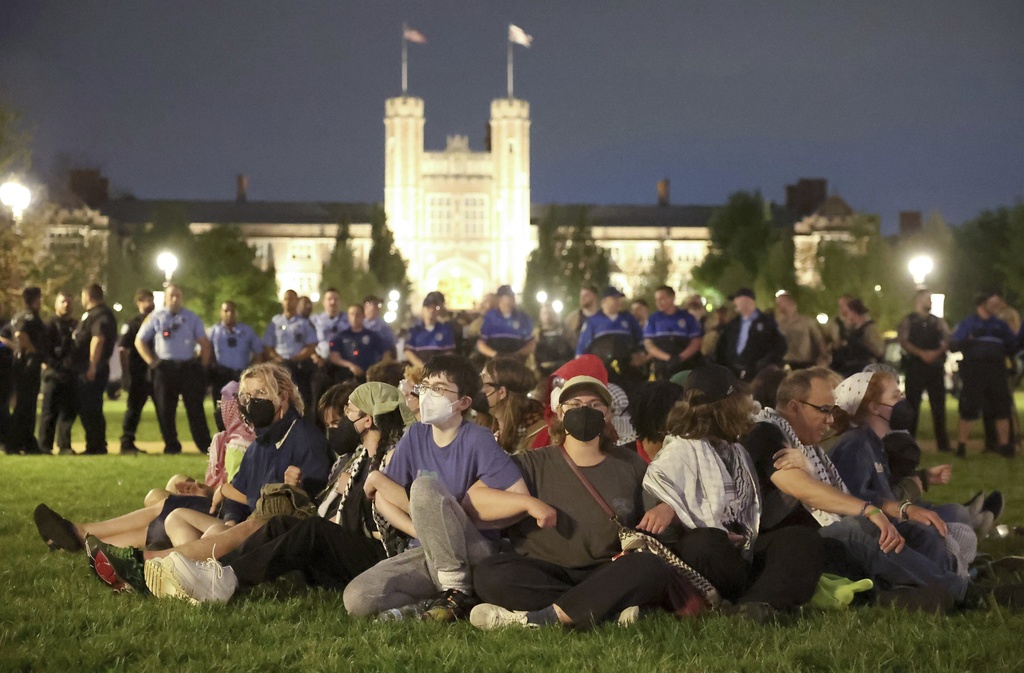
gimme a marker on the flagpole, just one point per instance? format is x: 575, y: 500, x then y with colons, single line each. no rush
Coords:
x: 405, y: 61
x: 509, y: 69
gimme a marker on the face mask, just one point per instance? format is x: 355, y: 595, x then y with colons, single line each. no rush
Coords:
x: 435, y: 410
x: 344, y: 438
x: 584, y: 423
x: 902, y: 416
x: 259, y: 413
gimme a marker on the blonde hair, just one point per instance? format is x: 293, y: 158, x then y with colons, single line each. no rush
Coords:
x: 277, y: 380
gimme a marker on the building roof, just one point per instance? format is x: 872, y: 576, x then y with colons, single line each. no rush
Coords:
x: 834, y: 206
x: 629, y: 215
x: 139, y: 211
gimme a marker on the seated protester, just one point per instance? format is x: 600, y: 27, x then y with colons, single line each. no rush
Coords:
x: 439, y: 468
x: 561, y: 570
x: 708, y: 503
x: 801, y: 487
x: 766, y: 384
x: 649, y: 408
x: 554, y: 348
x: 506, y: 330
x: 429, y: 336
x: 615, y: 336
x: 408, y: 388
x: 870, y: 405
x: 517, y: 419
x: 623, y: 427
x: 585, y: 365
x: 672, y: 336
x: 357, y: 348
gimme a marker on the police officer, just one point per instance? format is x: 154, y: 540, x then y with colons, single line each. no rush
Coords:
x: 925, y: 341
x: 30, y: 349
x: 59, y: 407
x: 750, y: 341
x: 135, y: 378
x: 985, y: 341
x: 328, y: 325
x: 429, y: 336
x: 290, y: 340
x: 506, y: 330
x: 94, y: 341
x: 167, y: 342
x: 375, y: 322
x: 615, y: 336
x: 357, y: 348
x: 234, y: 345
x: 672, y: 337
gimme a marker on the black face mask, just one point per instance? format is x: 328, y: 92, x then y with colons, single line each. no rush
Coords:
x: 584, y: 423
x: 902, y: 416
x: 259, y: 413
x: 344, y: 438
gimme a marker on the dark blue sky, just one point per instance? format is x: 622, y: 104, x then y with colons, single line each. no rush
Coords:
x: 908, y: 105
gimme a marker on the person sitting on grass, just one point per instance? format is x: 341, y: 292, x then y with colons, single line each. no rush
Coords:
x: 563, y: 568
x: 648, y: 410
x: 517, y: 418
x: 708, y: 504
x: 429, y: 490
x: 347, y: 536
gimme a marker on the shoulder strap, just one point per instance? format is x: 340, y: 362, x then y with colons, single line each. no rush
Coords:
x: 586, y: 484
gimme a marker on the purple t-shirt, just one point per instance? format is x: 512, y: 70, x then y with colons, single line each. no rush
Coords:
x: 471, y: 457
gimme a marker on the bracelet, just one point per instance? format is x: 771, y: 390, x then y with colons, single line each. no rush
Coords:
x: 903, y: 509
x: 874, y: 512
x: 864, y: 509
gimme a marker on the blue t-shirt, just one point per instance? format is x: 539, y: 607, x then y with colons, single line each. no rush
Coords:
x: 233, y: 348
x: 427, y: 342
x: 506, y: 335
x: 679, y: 324
x: 364, y: 347
x: 472, y: 456
x: 288, y: 336
x: 173, y: 335
x: 859, y: 456
x: 623, y: 325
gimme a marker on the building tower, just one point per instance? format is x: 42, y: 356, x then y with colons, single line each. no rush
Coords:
x: 403, y: 188
x: 510, y: 151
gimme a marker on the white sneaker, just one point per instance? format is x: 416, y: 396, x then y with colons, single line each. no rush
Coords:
x: 175, y: 576
x: 629, y: 616
x: 488, y: 617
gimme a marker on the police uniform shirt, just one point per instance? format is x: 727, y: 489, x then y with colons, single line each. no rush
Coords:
x: 31, y: 325
x: 926, y: 332
x: 288, y: 336
x: 61, y: 332
x: 676, y: 329
x: 382, y: 329
x: 96, y: 322
x: 174, y: 337
x: 233, y: 347
x: 129, y: 331
x: 430, y: 341
x: 363, y: 348
x: 983, y: 339
x: 599, y: 324
x: 516, y: 328
x: 326, y: 329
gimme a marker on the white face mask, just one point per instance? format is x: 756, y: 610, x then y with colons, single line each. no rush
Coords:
x: 435, y: 410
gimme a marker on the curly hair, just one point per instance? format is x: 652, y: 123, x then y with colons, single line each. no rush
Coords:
x: 278, y: 382
x: 727, y: 419
x: 517, y: 380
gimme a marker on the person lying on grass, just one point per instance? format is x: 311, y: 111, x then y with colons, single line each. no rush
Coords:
x: 346, y: 536
x: 565, y: 574
x: 429, y: 491
x: 287, y: 449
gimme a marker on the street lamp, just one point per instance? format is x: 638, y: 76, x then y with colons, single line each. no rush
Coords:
x: 15, y: 196
x: 167, y: 262
x: 919, y: 268
x: 557, y: 305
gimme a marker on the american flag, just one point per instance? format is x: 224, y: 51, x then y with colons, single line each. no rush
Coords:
x: 413, y: 35
x: 518, y: 36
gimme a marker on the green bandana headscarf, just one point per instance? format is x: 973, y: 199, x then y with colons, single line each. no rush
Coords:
x: 376, y: 399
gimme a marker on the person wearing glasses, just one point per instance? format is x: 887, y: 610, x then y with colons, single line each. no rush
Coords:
x: 429, y: 336
x: 167, y: 342
x: 234, y: 344
x: 518, y: 419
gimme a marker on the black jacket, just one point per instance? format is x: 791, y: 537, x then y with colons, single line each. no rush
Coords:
x: 765, y: 346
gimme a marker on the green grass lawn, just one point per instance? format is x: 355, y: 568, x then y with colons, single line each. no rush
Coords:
x: 56, y: 616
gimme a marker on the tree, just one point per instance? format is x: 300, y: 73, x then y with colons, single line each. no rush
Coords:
x: 385, y: 261
x: 341, y: 271
x: 566, y: 258
x: 654, y: 276
x: 989, y: 249
x: 585, y: 262
x: 544, y: 265
x: 17, y: 250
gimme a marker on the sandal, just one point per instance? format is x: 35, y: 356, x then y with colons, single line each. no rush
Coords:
x: 56, y: 531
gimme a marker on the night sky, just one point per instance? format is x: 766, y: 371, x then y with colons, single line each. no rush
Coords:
x: 901, y: 106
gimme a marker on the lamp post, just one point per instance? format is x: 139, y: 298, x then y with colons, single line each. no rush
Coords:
x: 919, y: 267
x: 15, y: 196
x: 167, y: 262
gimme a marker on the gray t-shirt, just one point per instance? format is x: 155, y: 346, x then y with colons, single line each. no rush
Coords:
x: 583, y: 535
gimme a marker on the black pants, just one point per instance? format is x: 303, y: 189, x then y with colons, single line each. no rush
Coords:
x: 586, y: 595
x: 784, y: 571
x: 89, y: 396
x: 60, y: 406
x: 186, y: 379
x: 302, y: 375
x: 220, y: 377
x: 22, y: 435
x: 139, y: 389
x: 924, y: 378
x: 6, y: 382
x: 326, y: 554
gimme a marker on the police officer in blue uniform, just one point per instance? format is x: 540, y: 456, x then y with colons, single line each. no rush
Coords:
x: 506, y: 330
x: 59, y: 408
x: 374, y: 322
x: 290, y: 340
x: 429, y: 336
x: 234, y: 346
x: 986, y: 342
x: 357, y: 348
x: 167, y: 342
x: 615, y: 336
x: 328, y: 325
x: 751, y: 341
x: 135, y: 377
x: 925, y: 341
x: 672, y: 336
x: 94, y: 340
x: 30, y: 349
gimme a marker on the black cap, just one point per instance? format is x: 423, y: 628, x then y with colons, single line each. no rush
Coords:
x: 743, y: 292
x: 506, y: 291
x: 434, y: 298
x: 715, y: 381
x: 611, y: 291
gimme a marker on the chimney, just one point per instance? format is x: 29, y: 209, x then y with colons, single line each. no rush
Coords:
x: 663, y: 192
x: 910, y: 222
x: 243, y: 188
x: 90, y: 186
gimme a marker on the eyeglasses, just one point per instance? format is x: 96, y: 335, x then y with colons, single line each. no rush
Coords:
x: 351, y: 410
x: 245, y: 398
x: 826, y: 410
x: 576, y: 404
x: 437, y: 390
